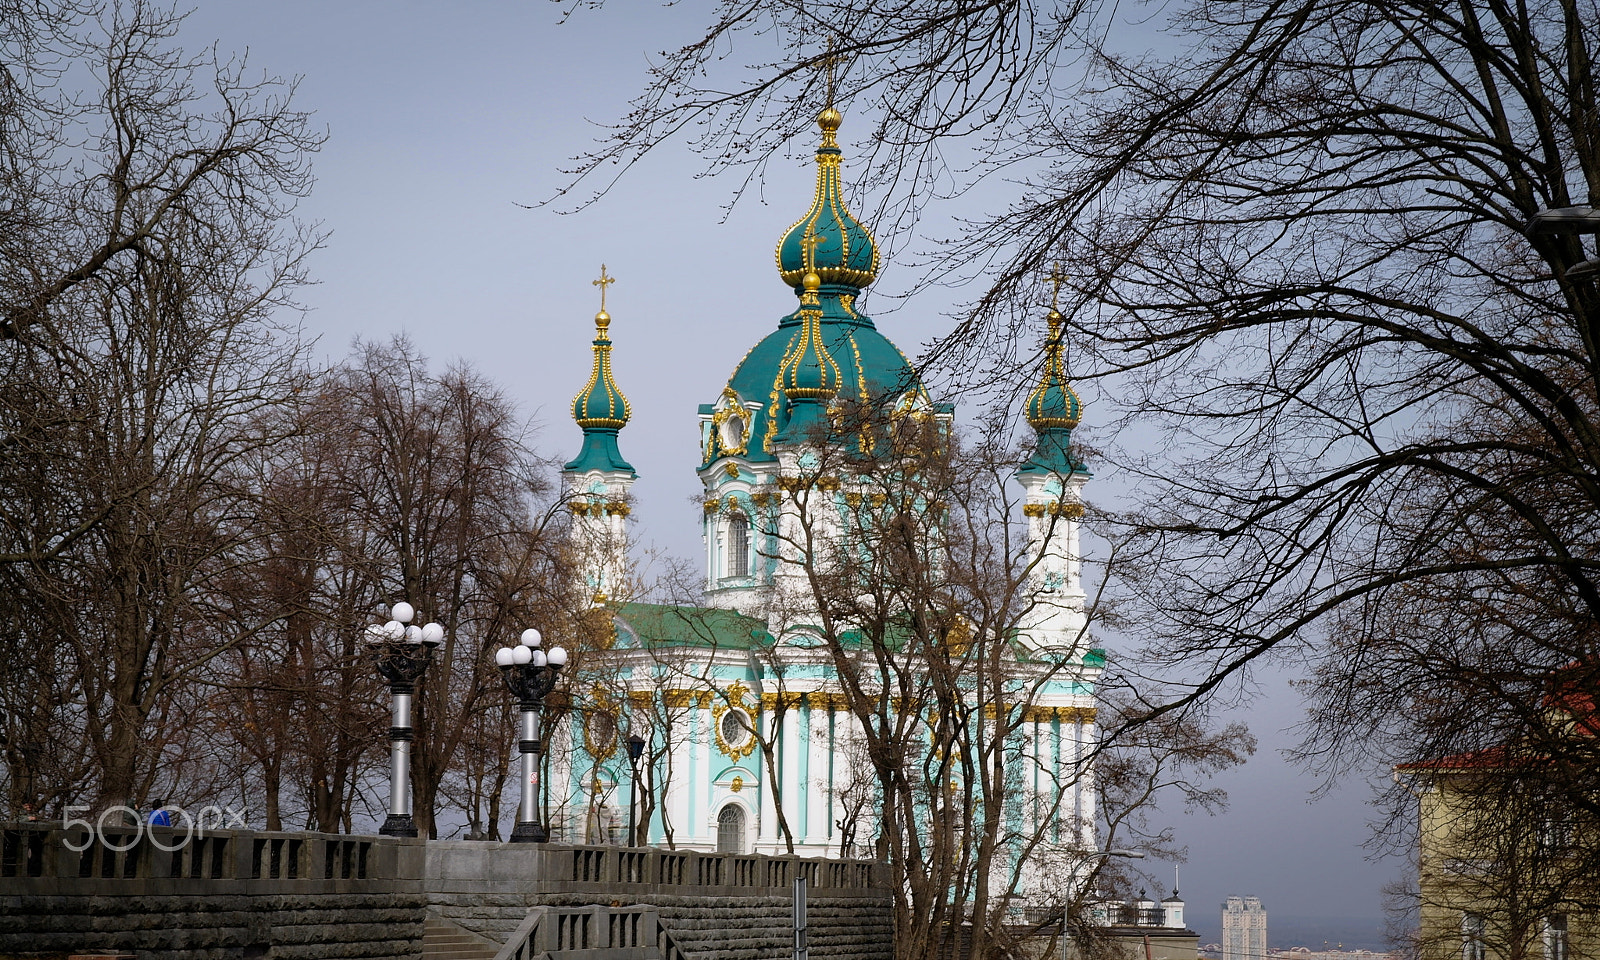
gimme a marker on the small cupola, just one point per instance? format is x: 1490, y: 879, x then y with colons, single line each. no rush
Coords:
x: 808, y: 376
x: 828, y: 241
x: 1053, y: 408
x: 809, y: 372
x: 1053, y: 404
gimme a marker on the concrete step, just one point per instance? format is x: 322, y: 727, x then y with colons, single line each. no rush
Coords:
x: 443, y: 940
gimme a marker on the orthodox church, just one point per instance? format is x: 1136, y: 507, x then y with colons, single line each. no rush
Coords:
x: 733, y: 704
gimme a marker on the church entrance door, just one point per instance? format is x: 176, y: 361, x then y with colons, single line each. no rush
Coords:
x: 730, y: 829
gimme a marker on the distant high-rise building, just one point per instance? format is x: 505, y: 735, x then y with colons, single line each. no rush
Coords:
x: 1244, y: 929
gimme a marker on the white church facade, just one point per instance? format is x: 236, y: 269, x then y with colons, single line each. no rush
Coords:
x: 746, y: 729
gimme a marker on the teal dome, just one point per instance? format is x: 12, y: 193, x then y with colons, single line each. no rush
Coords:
x: 1053, y: 403
x: 600, y: 403
x: 871, y: 370
x: 828, y: 240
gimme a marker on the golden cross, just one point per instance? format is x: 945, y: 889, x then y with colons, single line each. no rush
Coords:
x: 602, y: 283
x: 809, y: 243
x: 1056, y: 278
x: 830, y: 60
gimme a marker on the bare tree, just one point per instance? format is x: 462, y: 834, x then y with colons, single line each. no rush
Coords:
x: 452, y: 514
x: 148, y: 238
x: 907, y: 559
x: 311, y: 703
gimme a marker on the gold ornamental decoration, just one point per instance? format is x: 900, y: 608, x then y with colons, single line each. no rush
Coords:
x: 600, y: 725
x: 734, y: 700
x: 730, y: 428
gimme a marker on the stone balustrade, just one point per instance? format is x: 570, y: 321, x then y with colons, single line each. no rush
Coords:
x: 185, y: 894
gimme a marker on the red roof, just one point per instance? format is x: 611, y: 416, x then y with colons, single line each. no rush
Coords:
x: 1569, y: 689
x: 1471, y: 760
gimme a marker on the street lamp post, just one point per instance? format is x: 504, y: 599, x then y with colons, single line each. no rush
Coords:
x: 1569, y: 221
x: 635, y: 751
x: 402, y: 652
x: 1072, y: 884
x: 530, y: 674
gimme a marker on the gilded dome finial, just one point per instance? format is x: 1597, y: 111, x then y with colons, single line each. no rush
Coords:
x: 1053, y: 404
x: 829, y: 121
x: 600, y: 405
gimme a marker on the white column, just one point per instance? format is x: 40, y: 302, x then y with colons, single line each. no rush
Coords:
x: 708, y: 535
x: 792, y: 755
x: 767, y: 833
x: 674, y: 771
x: 1067, y: 758
x: 704, y: 746
x: 816, y: 784
x: 1046, y: 792
x: 1086, y: 784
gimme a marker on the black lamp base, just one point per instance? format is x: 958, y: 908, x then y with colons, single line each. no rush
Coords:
x: 398, y: 825
x: 529, y: 832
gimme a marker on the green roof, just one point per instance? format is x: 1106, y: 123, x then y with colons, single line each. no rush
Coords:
x: 671, y: 625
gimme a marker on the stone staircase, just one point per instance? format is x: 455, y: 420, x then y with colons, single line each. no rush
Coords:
x: 443, y: 940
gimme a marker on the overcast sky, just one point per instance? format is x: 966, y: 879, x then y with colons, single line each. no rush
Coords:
x: 444, y: 118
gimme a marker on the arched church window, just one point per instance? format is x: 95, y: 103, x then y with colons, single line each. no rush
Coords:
x: 738, y: 545
x: 730, y: 829
x: 733, y: 432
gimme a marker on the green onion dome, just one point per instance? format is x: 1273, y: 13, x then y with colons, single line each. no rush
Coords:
x: 828, y: 240
x: 1053, y: 403
x: 825, y: 351
x: 601, y: 410
x: 600, y: 403
x: 1053, y: 409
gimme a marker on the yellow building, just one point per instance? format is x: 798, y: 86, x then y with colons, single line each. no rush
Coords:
x: 1506, y: 866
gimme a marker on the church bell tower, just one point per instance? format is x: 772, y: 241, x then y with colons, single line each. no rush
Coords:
x: 597, y: 481
x: 1052, y: 481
